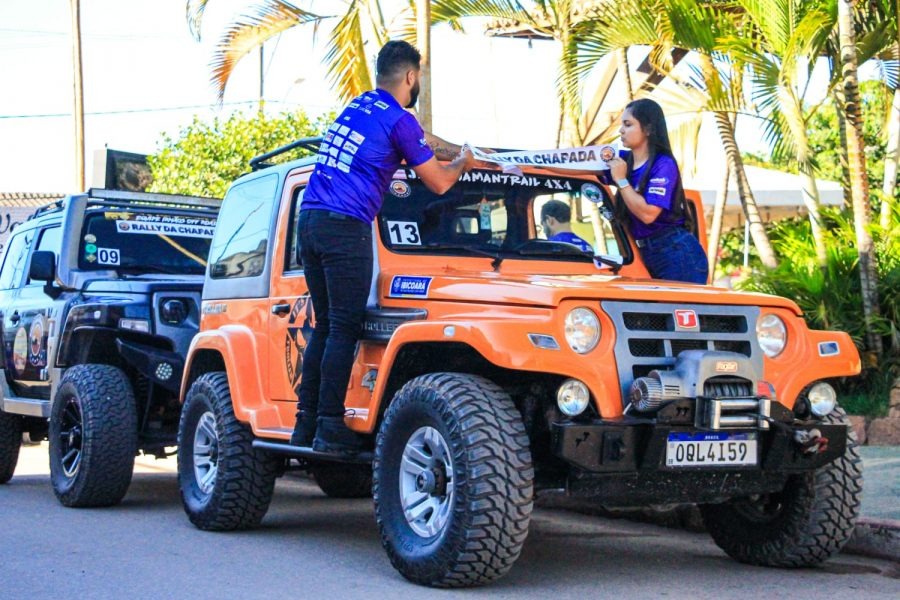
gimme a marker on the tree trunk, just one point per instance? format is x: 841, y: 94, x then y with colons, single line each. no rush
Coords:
x: 810, y: 193
x: 837, y: 96
x: 625, y: 71
x: 891, y: 160
x: 423, y: 40
x: 715, y: 228
x: 751, y: 212
x: 79, y: 96
x: 859, y: 184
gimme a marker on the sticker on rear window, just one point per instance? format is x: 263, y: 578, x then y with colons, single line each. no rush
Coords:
x: 400, y: 189
x: 403, y: 286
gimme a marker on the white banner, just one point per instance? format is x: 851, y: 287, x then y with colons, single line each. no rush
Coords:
x: 586, y: 158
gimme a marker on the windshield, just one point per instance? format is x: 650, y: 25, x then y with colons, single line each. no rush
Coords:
x: 145, y: 242
x: 500, y: 214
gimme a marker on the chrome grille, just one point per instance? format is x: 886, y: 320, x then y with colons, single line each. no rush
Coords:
x: 647, y: 339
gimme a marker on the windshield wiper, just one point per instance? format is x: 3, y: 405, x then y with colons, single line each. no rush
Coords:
x: 479, y: 251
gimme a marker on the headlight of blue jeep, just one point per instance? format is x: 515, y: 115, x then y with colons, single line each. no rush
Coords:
x: 582, y: 330
x: 772, y: 335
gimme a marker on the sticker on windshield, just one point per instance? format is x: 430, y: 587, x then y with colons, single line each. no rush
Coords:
x: 194, y: 230
x: 404, y: 233
x: 108, y: 256
x: 90, y: 238
x: 400, y: 189
x: 403, y: 286
x: 484, y: 211
x: 591, y: 192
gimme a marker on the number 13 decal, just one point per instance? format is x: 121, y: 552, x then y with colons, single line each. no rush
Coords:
x: 404, y: 233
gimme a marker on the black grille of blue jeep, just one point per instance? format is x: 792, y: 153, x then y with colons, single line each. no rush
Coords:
x: 647, y: 337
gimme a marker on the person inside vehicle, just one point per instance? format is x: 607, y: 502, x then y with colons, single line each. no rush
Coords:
x: 650, y: 196
x: 556, y: 217
x: 356, y: 161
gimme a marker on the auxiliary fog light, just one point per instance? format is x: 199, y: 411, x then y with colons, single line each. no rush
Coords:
x: 164, y: 371
x: 822, y: 399
x: 572, y: 397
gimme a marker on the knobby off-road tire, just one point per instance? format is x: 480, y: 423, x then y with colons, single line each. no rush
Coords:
x: 93, y: 436
x: 225, y: 483
x: 469, y: 428
x: 344, y: 481
x: 804, y: 525
x: 10, y: 441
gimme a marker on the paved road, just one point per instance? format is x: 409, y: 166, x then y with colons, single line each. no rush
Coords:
x: 313, y: 547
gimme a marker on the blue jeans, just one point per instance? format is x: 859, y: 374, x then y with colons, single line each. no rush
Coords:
x: 675, y: 255
x: 337, y: 262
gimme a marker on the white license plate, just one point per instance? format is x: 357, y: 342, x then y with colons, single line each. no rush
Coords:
x: 710, y: 449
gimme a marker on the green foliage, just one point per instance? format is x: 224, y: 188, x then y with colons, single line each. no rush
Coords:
x: 825, y: 140
x: 830, y: 298
x: 207, y: 156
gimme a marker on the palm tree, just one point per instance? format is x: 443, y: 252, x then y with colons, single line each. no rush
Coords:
x: 788, y: 34
x: 692, y: 25
x: 358, y: 23
x: 859, y: 184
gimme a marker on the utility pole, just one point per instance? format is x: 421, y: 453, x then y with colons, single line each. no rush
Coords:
x: 262, y: 100
x: 79, y: 95
x: 423, y: 41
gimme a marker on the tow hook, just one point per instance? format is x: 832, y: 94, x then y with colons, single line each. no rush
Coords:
x: 811, y: 442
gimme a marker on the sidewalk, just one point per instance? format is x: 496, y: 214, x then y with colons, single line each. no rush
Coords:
x: 878, y: 529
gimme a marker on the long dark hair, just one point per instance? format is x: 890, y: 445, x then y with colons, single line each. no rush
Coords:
x: 650, y: 115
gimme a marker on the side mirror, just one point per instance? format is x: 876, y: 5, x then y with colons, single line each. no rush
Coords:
x: 43, y: 266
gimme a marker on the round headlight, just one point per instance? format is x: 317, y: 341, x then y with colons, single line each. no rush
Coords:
x: 772, y: 335
x: 822, y: 399
x: 582, y: 330
x: 572, y: 397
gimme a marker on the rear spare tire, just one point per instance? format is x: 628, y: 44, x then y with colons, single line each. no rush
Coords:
x: 805, y: 524
x: 225, y: 483
x: 453, y: 483
x: 93, y: 436
x: 10, y: 441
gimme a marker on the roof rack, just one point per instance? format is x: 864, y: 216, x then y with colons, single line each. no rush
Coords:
x: 47, y: 208
x: 311, y: 144
x: 155, y: 198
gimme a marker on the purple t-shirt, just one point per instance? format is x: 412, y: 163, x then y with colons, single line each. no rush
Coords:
x: 360, y: 154
x: 571, y: 238
x: 660, y: 191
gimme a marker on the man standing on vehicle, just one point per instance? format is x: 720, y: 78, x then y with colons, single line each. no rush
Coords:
x: 556, y: 217
x: 357, y: 159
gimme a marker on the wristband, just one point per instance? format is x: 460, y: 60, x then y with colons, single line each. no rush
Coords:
x: 622, y: 183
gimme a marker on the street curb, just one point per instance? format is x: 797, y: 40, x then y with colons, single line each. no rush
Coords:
x: 876, y: 538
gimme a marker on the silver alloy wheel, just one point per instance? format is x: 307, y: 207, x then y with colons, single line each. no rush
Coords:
x: 206, y: 453
x: 426, y: 482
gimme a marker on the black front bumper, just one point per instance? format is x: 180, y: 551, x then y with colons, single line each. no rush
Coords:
x: 623, y: 463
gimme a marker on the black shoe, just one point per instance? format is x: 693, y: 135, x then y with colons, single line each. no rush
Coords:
x: 333, y: 437
x: 304, y: 429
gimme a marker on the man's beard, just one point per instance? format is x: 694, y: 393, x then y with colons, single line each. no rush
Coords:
x: 413, y: 96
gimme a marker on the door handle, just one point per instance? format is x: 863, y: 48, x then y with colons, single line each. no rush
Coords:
x: 281, y: 309
x: 15, y: 318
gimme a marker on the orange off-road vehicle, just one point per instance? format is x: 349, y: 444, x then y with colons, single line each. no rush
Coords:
x: 496, y: 365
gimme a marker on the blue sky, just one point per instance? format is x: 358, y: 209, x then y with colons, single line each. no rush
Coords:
x: 144, y: 75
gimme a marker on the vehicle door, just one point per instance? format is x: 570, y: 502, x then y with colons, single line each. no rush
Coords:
x: 34, y: 315
x: 15, y: 337
x: 290, y: 309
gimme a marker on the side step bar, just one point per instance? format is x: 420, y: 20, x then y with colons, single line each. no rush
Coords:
x: 363, y: 458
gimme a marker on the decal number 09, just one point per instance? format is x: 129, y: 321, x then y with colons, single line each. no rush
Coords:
x: 404, y: 233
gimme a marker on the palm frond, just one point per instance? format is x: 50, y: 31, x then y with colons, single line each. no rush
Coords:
x: 261, y: 22
x: 345, y: 55
x: 194, y: 14
x: 449, y: 11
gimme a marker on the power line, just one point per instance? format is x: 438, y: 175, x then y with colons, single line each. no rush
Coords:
x: 161, y: 109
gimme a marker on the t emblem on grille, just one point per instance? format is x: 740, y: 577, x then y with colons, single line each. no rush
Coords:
x: 686, y: 319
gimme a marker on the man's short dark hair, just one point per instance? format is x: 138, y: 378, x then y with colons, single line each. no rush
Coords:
x: 396, y: 57
x: 557, y: 209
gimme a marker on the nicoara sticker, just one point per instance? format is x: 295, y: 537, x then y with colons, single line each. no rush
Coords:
x: 404, y: 286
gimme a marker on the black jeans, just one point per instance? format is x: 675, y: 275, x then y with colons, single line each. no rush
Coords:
x: 337, y: 261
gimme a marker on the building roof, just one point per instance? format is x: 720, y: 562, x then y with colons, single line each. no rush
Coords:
x: 27, y: 199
